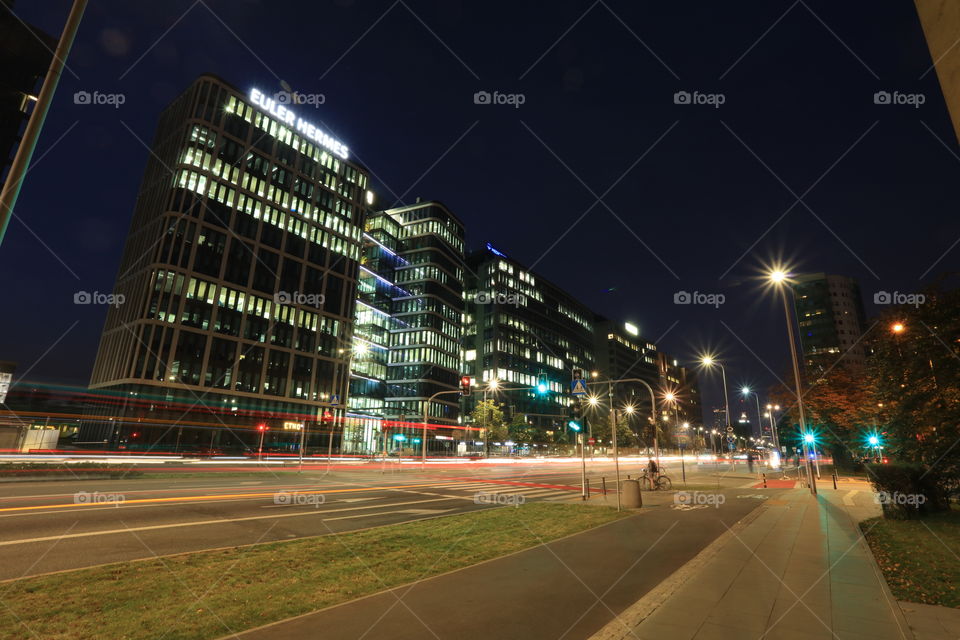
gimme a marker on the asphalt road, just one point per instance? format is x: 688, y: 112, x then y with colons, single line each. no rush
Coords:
x: 60, y: 525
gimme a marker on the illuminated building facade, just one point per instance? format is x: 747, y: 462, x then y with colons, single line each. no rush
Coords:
x: 239, y: 278
x: 409, y: 325
x: 831, y: 318
x: 622, y: 353
x: 521, y: 329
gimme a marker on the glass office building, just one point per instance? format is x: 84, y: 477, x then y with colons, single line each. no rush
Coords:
x: 831, y: 318
x: 521, y: 330
x: 238, y: 279
x: 408, y: 328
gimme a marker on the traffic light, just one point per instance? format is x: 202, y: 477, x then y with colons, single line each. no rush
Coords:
x: 542, y: 386
x: 465, y: 385
x: 576, y: 414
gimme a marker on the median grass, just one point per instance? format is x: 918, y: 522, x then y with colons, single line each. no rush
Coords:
x: 920, y: 558
x: 71, y: 469
x: 212, y: 594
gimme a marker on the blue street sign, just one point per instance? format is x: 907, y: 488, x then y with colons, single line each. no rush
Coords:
x: 578, y: 387
x: 335, y: 399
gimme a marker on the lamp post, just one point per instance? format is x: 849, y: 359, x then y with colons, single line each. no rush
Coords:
x: 653, y: 413
x: 775, y: 436
x: 778, y: 278
x: 426, y: 409
x: 708, y: 361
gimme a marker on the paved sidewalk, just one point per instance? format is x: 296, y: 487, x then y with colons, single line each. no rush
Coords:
x: 799, y: 571
x: 568, y: 588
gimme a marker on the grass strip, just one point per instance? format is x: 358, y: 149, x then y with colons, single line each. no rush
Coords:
x: 920, y: 558
x: 212, y: 594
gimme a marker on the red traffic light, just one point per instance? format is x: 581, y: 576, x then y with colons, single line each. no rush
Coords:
x: 465, y: 385
x: 261, y: 427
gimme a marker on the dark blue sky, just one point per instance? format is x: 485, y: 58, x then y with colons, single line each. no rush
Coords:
x: 598, y: 79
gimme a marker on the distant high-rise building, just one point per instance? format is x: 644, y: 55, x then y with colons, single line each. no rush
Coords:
x: 831, y: 319
x: 622, y: 353
x: 237, y: 286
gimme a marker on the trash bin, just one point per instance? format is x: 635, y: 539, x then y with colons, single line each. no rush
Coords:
x: 630, y: 494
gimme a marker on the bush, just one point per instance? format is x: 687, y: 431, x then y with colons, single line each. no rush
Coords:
x: 908, y: 490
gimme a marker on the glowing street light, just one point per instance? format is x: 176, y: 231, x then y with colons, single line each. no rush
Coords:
x: 777, y: 277
x: 746, y: 391
x: 897, y: 327
x: 708, y: 361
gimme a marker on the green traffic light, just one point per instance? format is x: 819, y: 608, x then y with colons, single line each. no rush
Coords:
x: 573, y: 425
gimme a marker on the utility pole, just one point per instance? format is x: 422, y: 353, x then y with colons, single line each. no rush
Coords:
x: 21, y: 161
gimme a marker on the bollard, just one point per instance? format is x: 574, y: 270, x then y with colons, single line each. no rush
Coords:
x: 764, y: 481
x: 604, y: 481
x: 630, y: 496
x: 834, y: 481
x: 588, y: 488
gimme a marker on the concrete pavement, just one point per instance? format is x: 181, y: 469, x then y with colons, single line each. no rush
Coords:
x: 800, y: 570
x: 568, y: 588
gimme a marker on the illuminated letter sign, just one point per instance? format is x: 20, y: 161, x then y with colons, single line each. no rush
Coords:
x: 287, y: 117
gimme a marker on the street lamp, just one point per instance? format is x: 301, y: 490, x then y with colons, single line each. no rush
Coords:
x: 708, y: 361
x: 747, y: 391
x: 777, y: 278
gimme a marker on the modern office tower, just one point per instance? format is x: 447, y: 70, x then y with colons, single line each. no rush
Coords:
x: 622, y: 353
x: 831, y: 319
x: 684, y: 384
x: 520, y: 329
x: 238, y: 281
x: 409, y: 325
x: 25, y: 54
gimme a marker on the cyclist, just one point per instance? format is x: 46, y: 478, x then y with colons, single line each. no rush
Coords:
x: 652, y: 472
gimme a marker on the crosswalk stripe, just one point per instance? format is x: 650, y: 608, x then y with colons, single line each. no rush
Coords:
x: 540, y: 494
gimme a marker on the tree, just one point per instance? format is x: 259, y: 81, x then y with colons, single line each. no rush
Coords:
x: 523, y: 432
x: 600, y: 429
x: 488, y: 416
x: 915, y: 373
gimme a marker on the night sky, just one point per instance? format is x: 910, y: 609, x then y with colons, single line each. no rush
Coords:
x: 686, y: 189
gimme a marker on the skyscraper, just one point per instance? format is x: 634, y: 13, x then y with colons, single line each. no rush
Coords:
x: 409, y: 324
x: 831, y: 319
x: 237, y: 285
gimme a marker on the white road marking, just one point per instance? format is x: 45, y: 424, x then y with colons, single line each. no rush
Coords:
x: 419, y: 512
x: 848, y: 498
x: 210, y: 522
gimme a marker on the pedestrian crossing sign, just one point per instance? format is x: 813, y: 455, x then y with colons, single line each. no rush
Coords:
x: 578, y: 387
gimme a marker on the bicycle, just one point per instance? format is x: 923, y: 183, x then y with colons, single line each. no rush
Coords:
x: 661, y: 482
